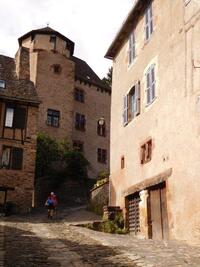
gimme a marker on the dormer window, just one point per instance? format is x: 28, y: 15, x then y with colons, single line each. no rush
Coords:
x: 52, y: 39
x: 2, y: 84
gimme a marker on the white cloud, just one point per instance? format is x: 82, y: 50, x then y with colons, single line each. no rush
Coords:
x: 91, y: 24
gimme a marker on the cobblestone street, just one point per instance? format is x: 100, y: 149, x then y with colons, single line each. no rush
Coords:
x: 33, y: 241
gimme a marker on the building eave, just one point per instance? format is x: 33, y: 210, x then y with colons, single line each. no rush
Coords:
x: 125, y: 29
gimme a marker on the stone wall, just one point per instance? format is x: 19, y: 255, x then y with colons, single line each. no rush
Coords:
x: 99, y: 197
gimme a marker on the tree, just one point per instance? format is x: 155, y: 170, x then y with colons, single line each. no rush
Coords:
x: 108, y: 79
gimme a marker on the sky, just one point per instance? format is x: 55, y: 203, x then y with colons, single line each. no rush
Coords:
x: 91, y: 24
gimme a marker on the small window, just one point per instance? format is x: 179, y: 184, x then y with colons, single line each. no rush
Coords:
x: 15, y: 117
x: 9, y: 117
x: 2, y: 84
x: 101, y: 127
x: 57, y: 69
x: 12, y: 158
x: 150, y: 84
x: 122, y: 162
x: 131, y: 104
x: 131, y: 47
x: 148, y: 22
x: 53, y: 117
x: 146, y: 152
x: 78, y: 145
x: 80, y: 122
x: 79, y: 95
x: 101, y: 155
x: 52, y: 39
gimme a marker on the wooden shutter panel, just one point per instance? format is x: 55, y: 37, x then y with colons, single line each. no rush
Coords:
x: 19, y: 121
x: 137, y: 93
x: 17, y: 158
x: 125, y: 110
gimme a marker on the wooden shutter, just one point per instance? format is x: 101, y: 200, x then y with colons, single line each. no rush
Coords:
x: 134, y: 214
x: 17, y: 158
x: 125, y: 110
x: 137, y: 94
x: 19, y: 121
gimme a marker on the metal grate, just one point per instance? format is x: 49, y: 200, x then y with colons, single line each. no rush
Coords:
x: 134, y: 214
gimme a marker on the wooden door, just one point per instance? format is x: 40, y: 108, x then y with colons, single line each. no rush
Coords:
x: 134, y: 214
x: 158, y: 219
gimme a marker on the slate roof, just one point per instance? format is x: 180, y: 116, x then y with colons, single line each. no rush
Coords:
x: 23, y: 90
x: 84, y: 72
x: 48, y: 31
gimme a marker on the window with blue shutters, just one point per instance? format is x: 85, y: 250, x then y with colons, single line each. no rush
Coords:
x: 148, y: 22
x: 131, y: 47
x: 150, y: 83
x: 131, y: 104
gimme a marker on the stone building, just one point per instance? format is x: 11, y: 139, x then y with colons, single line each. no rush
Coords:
x: 155, y: 119
x: 18, y: 125
x: 75, y: 103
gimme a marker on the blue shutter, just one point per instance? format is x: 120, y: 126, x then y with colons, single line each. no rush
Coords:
x: 125, y: 110
x: 137, y: 98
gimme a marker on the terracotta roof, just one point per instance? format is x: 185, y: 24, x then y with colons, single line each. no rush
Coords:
x: 84, y: 72
x: 23, y: 90
x: 126, y: 28
x: 48, y: 31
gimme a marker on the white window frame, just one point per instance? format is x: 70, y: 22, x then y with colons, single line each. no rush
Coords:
x: 131, y: 50
x: 2, y: 84
x: 150, y: 84
x: 148, y: 22
x: 9, y: 117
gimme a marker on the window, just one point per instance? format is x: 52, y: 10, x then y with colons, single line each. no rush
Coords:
x: 15, y: 117
x: 57, y: 68
x: 78, y: 145
x: 148, y: 22
x: 122, y: 162
x: 131, y: 104
x: 2, y: 84
x: 101, y: 155
x: 53, y: 117
x: 52, y: 39
x: 79, y: 95
x: 150, y: 83
x: 80, y: 122
x: 101, y: 128
x: 146, y: 152
x: 12, y: 158
x: 131, y: 47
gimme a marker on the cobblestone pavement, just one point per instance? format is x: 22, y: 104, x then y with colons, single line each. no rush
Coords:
x: 34, y: 241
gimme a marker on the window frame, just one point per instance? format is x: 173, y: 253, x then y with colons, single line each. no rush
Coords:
x: 79, y: 145
x: 12, y: 165
x: 150, y: 84
x: 53, y: 114
x: 79, y: 95
x: 132, y: 48
x: 2, y: 84
x: 101, y: 129
x: 80, y: 122
x: 146, y: 152
x: 102, y: 155
x: 149, y: 26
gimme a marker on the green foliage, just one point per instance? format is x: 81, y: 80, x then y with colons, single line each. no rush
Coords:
x: 108, y: 79
x: 47, y: 152
x: 76, y: 164
x: 103, y: 174
x: 115, y: 226
x: 59, y: 161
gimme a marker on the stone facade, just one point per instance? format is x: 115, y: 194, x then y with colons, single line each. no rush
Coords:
x: 168, y: 116
x: 56, y: 74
